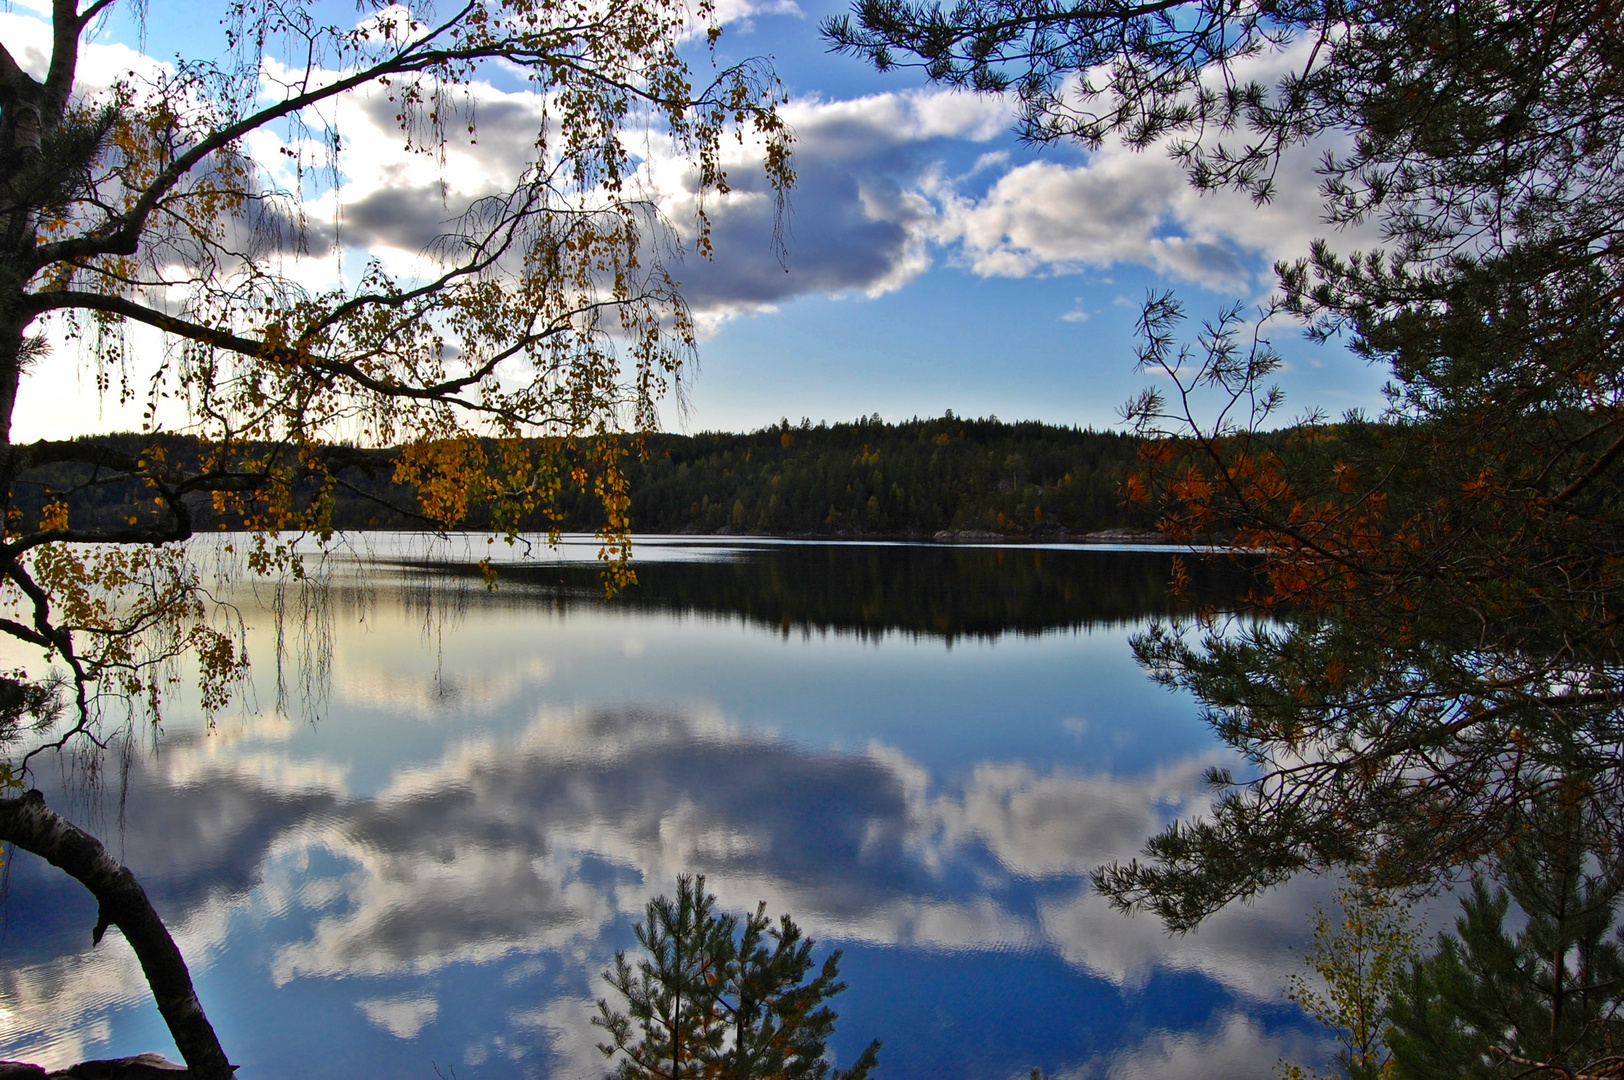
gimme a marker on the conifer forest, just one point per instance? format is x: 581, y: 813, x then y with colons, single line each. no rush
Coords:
x: 450, y: 627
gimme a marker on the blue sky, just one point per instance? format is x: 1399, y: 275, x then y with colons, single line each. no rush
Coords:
x: 933, y: 261
x: 990, y: 321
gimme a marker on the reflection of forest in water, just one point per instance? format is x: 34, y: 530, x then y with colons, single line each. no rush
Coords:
x: 930, y: 590
x: 437, y: 868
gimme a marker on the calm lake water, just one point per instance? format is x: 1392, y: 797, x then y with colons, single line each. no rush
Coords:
x: 425, y: 832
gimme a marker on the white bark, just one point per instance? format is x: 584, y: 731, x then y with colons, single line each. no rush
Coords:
x: 34, y: 827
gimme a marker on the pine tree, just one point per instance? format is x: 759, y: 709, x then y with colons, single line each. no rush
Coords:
x: 1541, y: 1000
x: 1441, y: 586
x: 716, y: 999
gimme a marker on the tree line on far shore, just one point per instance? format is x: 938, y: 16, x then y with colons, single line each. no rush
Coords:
x: 868, y: 477
x: 860, y: 478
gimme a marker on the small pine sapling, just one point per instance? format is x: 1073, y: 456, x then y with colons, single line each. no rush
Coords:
x: 716, y: 998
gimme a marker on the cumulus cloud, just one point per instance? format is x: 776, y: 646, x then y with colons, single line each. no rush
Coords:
x: 737, y: 15
x: 1121, y: 206
x: 28, y: 39
x: 1133, y: 207
x: 872, y: 208
x: 858, y: 221
x: 1046, y: 215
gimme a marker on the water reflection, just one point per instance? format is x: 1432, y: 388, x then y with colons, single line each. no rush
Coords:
x: 870, y: 589
x: 435, y: 874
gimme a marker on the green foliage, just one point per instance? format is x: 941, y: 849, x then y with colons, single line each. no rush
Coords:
x: 1496, y: 1001
x: 1441, y: 589
x: 716, y: 998
x: 1358, y: 961
x: 1530, y: 982
x: 1087, y: 70
x: 26, y: 706
x: 915, y: 478
x: 857, y: 479
x: 502, y: 370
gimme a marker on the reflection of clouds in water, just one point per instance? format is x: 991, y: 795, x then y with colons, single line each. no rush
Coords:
x: 482, y: 855
x: 210, y: 836
x: 425, y: 691
x: 1246, y: 947
x: 204, y: 816
x: 402, y: 1017
x: 1039, y: 826
x: 419, y: 908
x: 574, y: 1041
x: 1237, y: 1048
x: 517, y: 847
x: 1061, y: 826
x: 78, y: 991
x: 489, y: 851
x: 279, y: 772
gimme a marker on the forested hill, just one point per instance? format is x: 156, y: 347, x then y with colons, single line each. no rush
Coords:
x: 865, y: 478
x: 871, y: 478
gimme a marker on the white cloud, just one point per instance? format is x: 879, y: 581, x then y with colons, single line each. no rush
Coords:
x: 1040, y: 826
x: 1129, y: 207
x: 1047, y: 216
x: 402, y: 1017
x: 874, y: 205
x: 860, y: 217
x: 28, y: 39
x: 1236, y: 1048
x: 1247, y: 947
x: 737, y: 14
x: 901, y: 117
x: 1122, y: 206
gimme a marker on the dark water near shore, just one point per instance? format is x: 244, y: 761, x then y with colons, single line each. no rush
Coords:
x: 430, y: 828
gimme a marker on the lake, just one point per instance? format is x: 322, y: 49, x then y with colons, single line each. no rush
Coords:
x: 425, y: 831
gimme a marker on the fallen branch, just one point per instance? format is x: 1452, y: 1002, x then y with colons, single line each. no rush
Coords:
x: 34, y: 827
